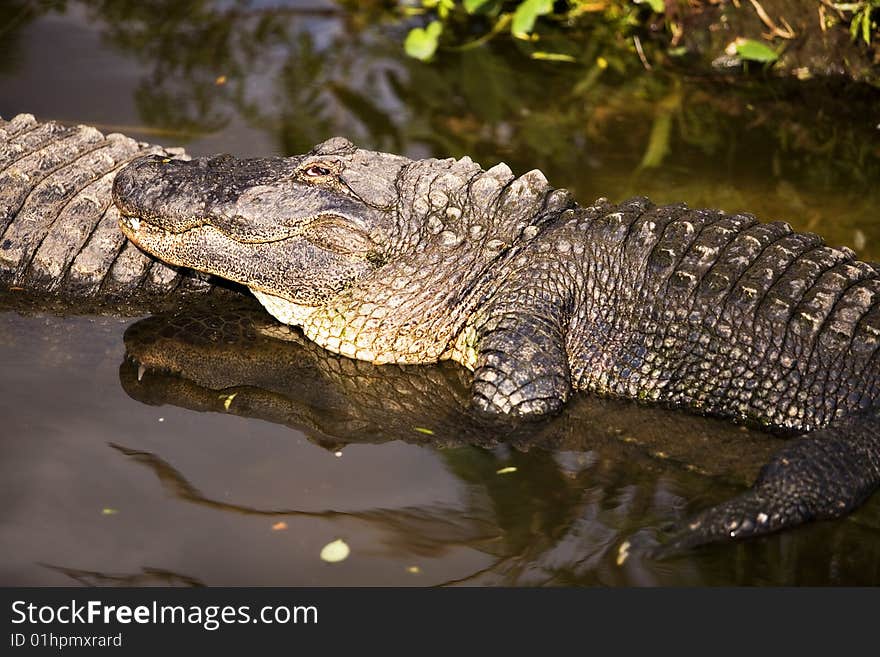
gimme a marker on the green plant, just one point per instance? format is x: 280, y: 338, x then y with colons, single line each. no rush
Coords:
x: 522, y: 18
x: 862, y: 23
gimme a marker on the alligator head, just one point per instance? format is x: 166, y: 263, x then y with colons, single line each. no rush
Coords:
x: 376, y: 256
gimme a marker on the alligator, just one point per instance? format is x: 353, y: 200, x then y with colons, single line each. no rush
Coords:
x: 382, y: 258
x: 59, y: 233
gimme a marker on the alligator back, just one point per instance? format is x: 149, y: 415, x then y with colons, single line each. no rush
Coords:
x: 727, y: 315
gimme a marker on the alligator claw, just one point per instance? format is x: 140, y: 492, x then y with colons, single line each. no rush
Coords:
x: 745, y: 516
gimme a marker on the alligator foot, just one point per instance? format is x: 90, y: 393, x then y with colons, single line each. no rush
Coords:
x: 522, y: 370
x: 820, y: 476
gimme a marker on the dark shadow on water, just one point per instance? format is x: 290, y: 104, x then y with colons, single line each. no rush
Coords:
x: 571, y: 501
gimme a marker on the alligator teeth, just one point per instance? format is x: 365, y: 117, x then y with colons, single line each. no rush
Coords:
x: 141, y: 371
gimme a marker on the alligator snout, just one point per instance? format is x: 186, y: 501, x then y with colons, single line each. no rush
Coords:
x: 165, y: 192
x: 178, y: 195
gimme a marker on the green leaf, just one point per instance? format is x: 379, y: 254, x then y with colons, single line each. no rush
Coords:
x: 755, y: 51
x: 527, y: 13
x: 473, y: 6
x: 422, y: 43
x: 444, y: 7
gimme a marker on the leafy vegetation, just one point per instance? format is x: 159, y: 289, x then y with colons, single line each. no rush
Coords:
x: 661, y: 32
x: 863, y: 21
x: 755, y: 51
x: 519, y: 19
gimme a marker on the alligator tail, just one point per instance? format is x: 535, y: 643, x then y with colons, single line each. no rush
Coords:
x: 59, y: 233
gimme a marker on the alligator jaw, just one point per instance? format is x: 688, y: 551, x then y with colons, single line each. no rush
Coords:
x: 283, y: 310
x: 155, y: 239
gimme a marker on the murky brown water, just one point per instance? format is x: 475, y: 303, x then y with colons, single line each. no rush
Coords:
x: 111, y: 480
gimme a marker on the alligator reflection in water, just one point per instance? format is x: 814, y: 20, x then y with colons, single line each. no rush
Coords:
x: 146, y: 577
x: 601, y: 474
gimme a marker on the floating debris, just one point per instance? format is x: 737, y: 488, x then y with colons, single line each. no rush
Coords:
x: 108, y: 511
x: 220, y: 81
x: 509, y: 469
x: 413, y: 570
x: 335, y: 552
x: 623, y: 553
x: 227, y: 400
x: 279, y: 526
x: 423, y: 430
x: 338, y: 454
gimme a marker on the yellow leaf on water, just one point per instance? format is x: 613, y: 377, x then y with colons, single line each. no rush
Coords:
x: 623, y: 553
x: 107, y: 511
x: 423, y: 430
x: 227, y: 400
x: 413, y: 570
x: 220, y: 81
x: 279, y: 526
x: 335, y: 552
x: 506, y: 470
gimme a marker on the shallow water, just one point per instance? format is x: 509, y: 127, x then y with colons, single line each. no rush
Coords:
x: 111, y: 480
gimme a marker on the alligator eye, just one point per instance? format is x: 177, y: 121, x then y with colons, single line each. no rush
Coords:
x: 317, y: 171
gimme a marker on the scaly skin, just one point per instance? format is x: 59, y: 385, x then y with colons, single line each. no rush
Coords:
x: 387, y: 259
x: 712, y: 312
x: 59, y: 234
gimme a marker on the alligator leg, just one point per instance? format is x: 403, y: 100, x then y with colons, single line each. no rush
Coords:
x: 522, y: 366
x: 821, y: 475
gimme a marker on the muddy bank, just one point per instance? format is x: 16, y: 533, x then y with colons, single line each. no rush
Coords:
x: 812, y: 38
